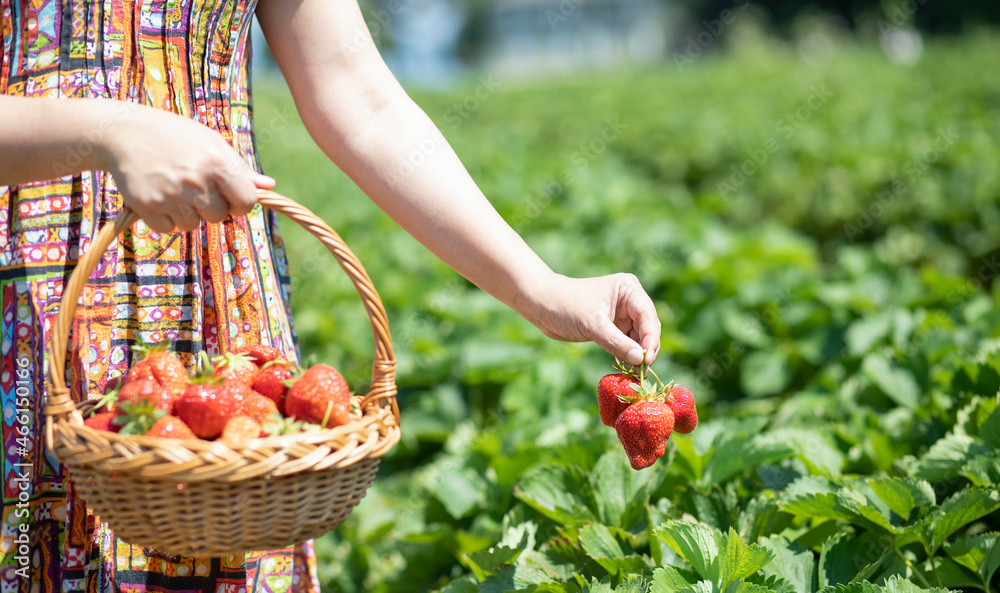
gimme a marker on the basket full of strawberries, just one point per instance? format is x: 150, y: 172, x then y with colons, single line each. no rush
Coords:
x: 248, y: 452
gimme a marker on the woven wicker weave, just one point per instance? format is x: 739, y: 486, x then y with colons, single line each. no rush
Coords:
x: 203, y: 498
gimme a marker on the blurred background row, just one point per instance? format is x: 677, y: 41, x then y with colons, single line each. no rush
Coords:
x: 435, y: 42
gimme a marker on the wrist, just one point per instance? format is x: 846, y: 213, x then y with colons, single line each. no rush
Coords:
x: 533, y: 299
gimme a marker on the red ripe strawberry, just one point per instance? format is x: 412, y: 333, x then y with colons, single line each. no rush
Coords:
x: 681, y: 402
x: 320, y: 393
x: 102, y: 421
x: 239, y: 430
x: 234, y: 367
x: 643, y: 428
x: 163, y: 365
x: 270, y: 382
x: 145, y: 392
x: 206, y: 409
x: 610, y: 393
x: 258, y: 407
x: 171, y: 427
x: 140, y: 371
x: 259, y: 354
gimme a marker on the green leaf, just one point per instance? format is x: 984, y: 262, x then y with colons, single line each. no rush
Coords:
x: 735, y: 454
x: 738, y: 560
x: 979, y: 553
x: 865, y: 332
x: 819, y: 456
x: 846, y: 558
x: 897, y: 584
x: 696, y: 543
x: 599, y: 543
x: 793, y: 562
x: 989, y: 431
x: 554, y: 491
x: 952, y: 575
x: 902, y: 495
x: 460, y: 491
x: 742, y: 586
x: 687, y: 459
x: 945, y: 459
x: 983, y: 470
x: 700, y: 587
x: 961, y: 509
x: 895, y: 381
x: 862, y: 586
x: 484, y: 562
x: 764, y: 372
x: 617, y: 487
x: 669, y: 580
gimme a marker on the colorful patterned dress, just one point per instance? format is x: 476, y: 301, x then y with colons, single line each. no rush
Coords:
x: 218, y: 287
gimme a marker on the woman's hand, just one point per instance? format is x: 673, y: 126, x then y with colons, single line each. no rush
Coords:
x: 613, y: 311
x: 175, y: 172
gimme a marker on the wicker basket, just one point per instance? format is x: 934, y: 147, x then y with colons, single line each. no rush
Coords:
x: 202, y: 498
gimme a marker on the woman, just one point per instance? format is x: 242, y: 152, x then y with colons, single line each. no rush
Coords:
x: 149, y: 107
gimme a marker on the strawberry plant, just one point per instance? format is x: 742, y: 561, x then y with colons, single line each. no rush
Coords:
x: 826, y: 286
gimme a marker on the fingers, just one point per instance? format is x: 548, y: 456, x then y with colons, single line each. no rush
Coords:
x: 608, y: 336
x: 645, y: 322
x: 262, y: 181
x: 237, y: 186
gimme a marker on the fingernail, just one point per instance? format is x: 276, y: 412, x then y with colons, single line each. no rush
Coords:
x: 634, y: 356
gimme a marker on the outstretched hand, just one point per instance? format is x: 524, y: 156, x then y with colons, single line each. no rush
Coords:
x: 612, y: 311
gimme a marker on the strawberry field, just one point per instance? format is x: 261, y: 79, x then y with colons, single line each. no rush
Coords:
x: 822, y: 245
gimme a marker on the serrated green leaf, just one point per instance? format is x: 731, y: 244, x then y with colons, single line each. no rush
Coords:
x: 669, y: 580
x: 815, y: 506
x: 742, y: 586
x: 739, y: 560
x: 897, y: 584
x: 556, y: 493
x: 845, y: 558
x: 696, y: 543
x: 687, y: 459
x: 460, y: 491
x: 902, y: 495
x: 862, y: 512
x: 792, y: 562
x: 699, y: 587
x: 984, y: 470
x: 773, y: 583
x: 861, y: 586
x: 961, y: 509
x: 895, y: 381
x: 945, y: 459
x: 484, y: 562
x: 979, y: 553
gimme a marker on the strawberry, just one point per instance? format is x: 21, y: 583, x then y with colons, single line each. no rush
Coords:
x: 321, y: 396
x: 239, y: 430
x: 234, y: 367
x: 614, y: 394
x: 102, y: 421
x: 260, y: 408
x: 259, y: 354
x: 643, y: 428
x: 171, y: 427
x: 270, y: 382
x: 163, y: 365
x: 681, y: 402
x: 206, y: 408
x: 145, y: 391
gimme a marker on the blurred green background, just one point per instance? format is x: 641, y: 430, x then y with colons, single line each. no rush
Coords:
x: 821, y: 241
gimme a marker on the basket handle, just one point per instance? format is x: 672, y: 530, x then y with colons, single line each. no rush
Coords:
x: 383, y: 384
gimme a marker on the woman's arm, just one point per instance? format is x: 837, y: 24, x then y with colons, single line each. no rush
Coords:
x: 362, y: 119
x: 172, y: 171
